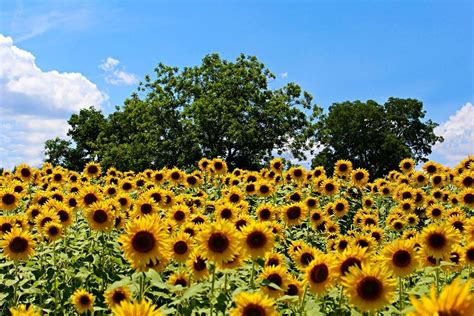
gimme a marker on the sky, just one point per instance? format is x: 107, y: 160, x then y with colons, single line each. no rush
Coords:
x: 57, y: 57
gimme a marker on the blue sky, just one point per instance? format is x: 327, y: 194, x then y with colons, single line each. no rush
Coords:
x: 336, y: 50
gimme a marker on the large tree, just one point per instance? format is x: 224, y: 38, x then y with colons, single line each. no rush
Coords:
x: 374, y: 136
x: 219, y: 108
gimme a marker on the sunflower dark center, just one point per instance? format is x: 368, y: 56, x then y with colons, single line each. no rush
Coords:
x: 179, y: 216
x: 265, y: 214
x: 92, y: 169
x: 181, y: 282
x: 431, y: 169
x: 198, y: 220
x: 437, y: 240
x: 143, y: 242
x: 256, y: 240
x: 362, y: 243
x: 275, y: 279
x: 252, y: 309
x: 406, y: 165
x: 343, y: 167
x: 189, y: 231
x: 6, y: 227
x: 401, y: 258
x: 146, y: 208
x: 273, y: 262
x: 340, y: 207
x: 8, y: 199
x: 25, y: 172
x: 316, y: 216
x: 175, y: 175
x: 454, y: 257
x: 467, y: 181
x: 329, y: 187
x: 370, y: 221
x: 118, y: 297
x: 90, y: 198
x: 18, y: 245
x: 127, y: 186
x: 191, y: 180
x: 293, y: 212
x: 319, y: 273
x: 359, y: 176
x: 45, y: 220
x: 468, y: 198
x: 199, y: 264
x: 306, y: 258
x: 100, y: 216
x: 292, y: 290
x: 218, y: 242
x: 342, y: 244
x: 226, y: 213
x: 250, y: 187
x: 58, y: 177
x: 111, y: 191
x: 398, y: 225
x: 63, y: 216
x: 264, y: 189
x: 376, y: 235
x: 470, y: 254
x: 53, y: 231
x: 349, y: 262
x: 218, y: 165
x: 436, y: 212
x: 370, y: 288
x: 180, y: 247
x: 240, y: 223
x: 234, y: 198
x: 84, y: 300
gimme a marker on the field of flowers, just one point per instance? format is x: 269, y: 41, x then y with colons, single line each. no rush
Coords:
x: 214, y: 241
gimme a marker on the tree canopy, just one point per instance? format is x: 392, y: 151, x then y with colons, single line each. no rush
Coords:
x: 374, y: 136
x: 217, y: 109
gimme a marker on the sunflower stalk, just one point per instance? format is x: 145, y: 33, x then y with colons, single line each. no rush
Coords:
x: 211, y: 302
x: 400, y: 282
x: 303, y: 300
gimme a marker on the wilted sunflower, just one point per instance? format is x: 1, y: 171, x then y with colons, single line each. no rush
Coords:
x: 437, y: 239
x: 17, y: 244
x: 100, y: 216
x: 454, y: 299
x: 114, y: 297
x: 276, y: 278
x: 399, y: 257
x: 143, y: 308
x: 218, y: 241
x: 257, y: 239
x: 144, y: 240
x: 320, y: 274
x: 22, y: 310
x: 83, y: 301
x: 370, y: 288
x: 9, y: 199
x: 92, y: 170
x: 253, y: 304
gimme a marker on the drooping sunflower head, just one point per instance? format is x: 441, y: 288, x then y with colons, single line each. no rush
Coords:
x: 83, y: 301
x: 370, y: 288
x: 253, y: 304
x: 115, y: 296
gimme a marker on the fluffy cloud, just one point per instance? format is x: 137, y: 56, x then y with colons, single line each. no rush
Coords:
x: 115, y: 75
x: 284, y: 74
x: 35, y: 104
x: 458, y: 133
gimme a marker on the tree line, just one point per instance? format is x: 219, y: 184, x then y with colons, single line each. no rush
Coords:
x: 227, y: 109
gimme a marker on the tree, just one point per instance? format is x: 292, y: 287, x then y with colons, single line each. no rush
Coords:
x: 373, y: 136
x: 219, y: 108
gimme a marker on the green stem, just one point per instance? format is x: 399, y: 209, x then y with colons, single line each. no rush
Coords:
x: 303, y: 301
x: 400, y: 281
x: 225, y: 283
x: 212, y: 289
x: 252, y: 276
x: 340, y: 300
x: 56, y: 293
x: 142, y: 286
x: 437, y: 280
x: 15, y: 286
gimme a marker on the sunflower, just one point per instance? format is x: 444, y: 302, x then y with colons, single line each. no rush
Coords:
x: 144, y: 240
x: 197, y: 265
x: 126, y: 185
x: 264, y: 189
x: 24, y: 172
x: 22, y: 310
x: 253, y: 304
x: 181, y: 246
x: 124, y: 200
x: 63, y: 211
x: 144, y: 206
x: 316, y: 217
x: 431, y: 167
x: 466, y: 197
x: 352, y: 256
x: 6, y: 224
x: 92, y: 170
x: 320, y: 274
x: 437, y: 239
x: 53, y: 231
x: 114, y: 297
x: 359, y: 177
x: 435, y: 211
x: 9, y: 199
x: 100, y: 216
x: 298, y: 174
x: 219, y: 166
x: 83, y: 301
x: 407, y: 165
x: 46, y: 216
x: 329, y: 187
x: 143, y: 308
x: 343, y: 168
x: 370, y: 288
x: 277, y: 165
x: 218, y: 241
x: 340, y: 207
x: 399, y: 257
x: 179, y: 278
x: 275, y: 279
x: 294, y: 213
x: 256, y: 239
x: 17, y: 244
x: 274, y: 259
x: 89, y: 195
x: 455, y: 299
x: 235, y: 262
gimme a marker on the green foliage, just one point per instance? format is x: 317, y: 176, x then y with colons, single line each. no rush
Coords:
x: 218, y: 109
x: 373, y: 136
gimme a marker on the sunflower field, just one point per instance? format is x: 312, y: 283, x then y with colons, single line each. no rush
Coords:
x: 213, y: 241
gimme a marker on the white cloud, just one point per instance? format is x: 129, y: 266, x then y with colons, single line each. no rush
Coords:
x: 116, y: 76
x: 284, y: 74
x: 35, y: 104
x: 458, y: 133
